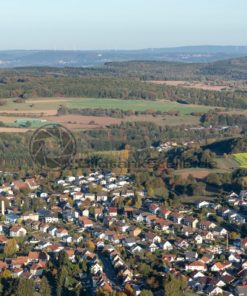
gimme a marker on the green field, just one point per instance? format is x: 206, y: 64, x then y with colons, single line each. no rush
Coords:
x: 37, y: 104
x: 241, y: 159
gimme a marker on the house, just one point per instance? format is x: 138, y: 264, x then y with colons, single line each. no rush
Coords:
x: 234, y: 258
x: 30, y: 216
x: 176, y: 217
x: 37, y: 269
x: 85, y: 212
x: 134, y: 231
x: 11, y: 218
x: 151, y: 219
x: 101, y: 196
x: 17, y: 231
x: 89, y: 196
x: 136, y: 249
x: 198, y: 239
x: 169, y: 257
x: 241, y: 290
x: 61, y: 232
x: 164, y: 213
x: 85, y: 222
x: 154, y: 208
x: 51, y: 217
x: 52, y: 230
x: 95, y: 268
x: 244, y: 243
x: 196, y: 265
x: 32, y: 184
x: 153, y: 247
x: 220, y: 266
x: 190, y: 221
x: 35, y: 256
x: 19, y: 185
x: 213, y: 290
x: 113, y: 212
x: 97, y: 213
x: 78, y: 196
x: 203, y: 204
x: 206, y: 225
x: 220, y: 231
x: 166, y: 246
x: 44, y: 227
x: 149, y: 236
x: 19, y: 261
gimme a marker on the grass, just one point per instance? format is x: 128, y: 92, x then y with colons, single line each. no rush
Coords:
x: 241, y: 159
x: 135, y: 105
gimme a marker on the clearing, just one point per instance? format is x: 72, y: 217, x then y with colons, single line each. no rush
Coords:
x: 210, y: 85
x: 241, y: 159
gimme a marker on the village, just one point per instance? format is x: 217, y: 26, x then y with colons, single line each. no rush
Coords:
x: 91, y: 219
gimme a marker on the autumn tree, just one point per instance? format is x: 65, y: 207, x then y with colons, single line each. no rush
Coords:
x: 146, y: 293
x: 25, y: 287
x: 45, y: 289
x: 174, y: 285
x: 10, y: 248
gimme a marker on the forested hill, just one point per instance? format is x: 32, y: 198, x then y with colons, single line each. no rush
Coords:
x: 233, y: 69
x: 125, y: 80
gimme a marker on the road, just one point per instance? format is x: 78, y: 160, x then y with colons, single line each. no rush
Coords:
x: 109, y: 271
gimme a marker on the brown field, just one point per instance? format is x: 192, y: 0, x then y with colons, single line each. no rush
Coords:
x: 192, y: 84
x: 35, y: 113
x: 13, y: 130
x: 166, y: 120
x: 91, y: 122
x: 198, y: 173
x: 83, y: 122
x: 48, y: 101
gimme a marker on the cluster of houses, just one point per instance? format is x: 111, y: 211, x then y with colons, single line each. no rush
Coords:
x: 166, y: 146
x: 193, y: 241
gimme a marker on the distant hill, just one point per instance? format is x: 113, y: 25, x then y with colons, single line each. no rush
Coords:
x: 52, y: 58
x: 231, y: 69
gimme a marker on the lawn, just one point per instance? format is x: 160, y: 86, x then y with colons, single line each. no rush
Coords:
x: 241, y: 159
x: 39, y: 104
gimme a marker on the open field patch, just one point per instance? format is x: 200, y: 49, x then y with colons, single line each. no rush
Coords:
x: 198, y: 173
x: 83, y: 122
x: 194, y: 84
x: 51, y: 105
x: 241, y: 159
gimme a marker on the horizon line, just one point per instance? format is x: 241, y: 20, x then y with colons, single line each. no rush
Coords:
x: 125, y: 49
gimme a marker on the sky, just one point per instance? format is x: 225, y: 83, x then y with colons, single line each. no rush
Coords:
x: 121, y: 24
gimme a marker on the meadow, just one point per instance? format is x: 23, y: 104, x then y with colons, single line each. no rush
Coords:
x: 46, y: 104
x: 241, y: 159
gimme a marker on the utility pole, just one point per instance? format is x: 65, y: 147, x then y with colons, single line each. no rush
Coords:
x: 3, y: 208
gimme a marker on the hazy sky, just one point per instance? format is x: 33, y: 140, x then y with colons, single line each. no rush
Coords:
x: 104, y: 24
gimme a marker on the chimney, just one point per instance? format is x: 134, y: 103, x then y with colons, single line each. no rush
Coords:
x: 3, y: 208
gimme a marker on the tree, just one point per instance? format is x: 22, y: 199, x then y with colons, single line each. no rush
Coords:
x: 174, y: 285
x: 45, y: 289
x: 90, y: 245
x: 6, y: 274
x: 25, y: 287
x: 10, y: 248
x: 61, y: 280
x: 138, y: 201
x: 146, y: 293
x: 129, y: 290
x: 63, y: 259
